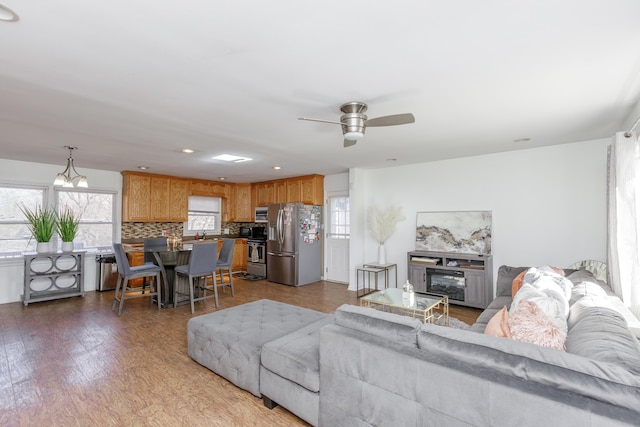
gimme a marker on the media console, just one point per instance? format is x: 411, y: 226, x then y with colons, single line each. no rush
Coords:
x: 467, y: 279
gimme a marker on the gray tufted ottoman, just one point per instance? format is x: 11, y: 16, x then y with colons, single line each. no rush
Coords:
x: 229, y: 341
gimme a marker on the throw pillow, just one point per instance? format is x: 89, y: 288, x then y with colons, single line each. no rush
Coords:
x: 498, y: 326
x: 517, y: 283
x: 528, y: 323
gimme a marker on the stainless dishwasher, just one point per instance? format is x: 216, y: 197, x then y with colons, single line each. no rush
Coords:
x: 106, y: 272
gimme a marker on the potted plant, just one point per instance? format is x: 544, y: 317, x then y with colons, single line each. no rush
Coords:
x: 68, y: 223
x: 42, y: 224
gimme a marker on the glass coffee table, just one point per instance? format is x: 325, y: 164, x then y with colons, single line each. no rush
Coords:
x: 428, y: 308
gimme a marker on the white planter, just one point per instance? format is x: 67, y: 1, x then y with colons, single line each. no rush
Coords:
x: 67, y: 246
x: 382, y: 254
x: 43, y: 247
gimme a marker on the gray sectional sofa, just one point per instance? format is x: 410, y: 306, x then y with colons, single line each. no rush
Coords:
x: 362, y: 367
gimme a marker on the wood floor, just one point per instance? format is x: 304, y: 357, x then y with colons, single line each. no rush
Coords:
x: 73, y: 362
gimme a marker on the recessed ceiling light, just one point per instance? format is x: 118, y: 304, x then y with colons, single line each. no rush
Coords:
x: 391, y: 160
x: 231, y: 158
x: 277, y: 168
x: 522, y: 140
x: 7, y: 14
x: 144, y: 168
x: 187, y: 150
x: 222, y: 178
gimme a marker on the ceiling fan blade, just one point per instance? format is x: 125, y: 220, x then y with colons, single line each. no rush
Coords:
x: 319, y: 120
x: 396, y: 119
x: 349, y: 142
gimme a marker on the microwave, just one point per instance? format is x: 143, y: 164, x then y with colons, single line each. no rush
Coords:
x: 261, y: 214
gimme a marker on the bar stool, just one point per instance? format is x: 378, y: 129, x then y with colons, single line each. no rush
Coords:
x: 225, y: 260
x: 127, y: 273
x: 202, y: 263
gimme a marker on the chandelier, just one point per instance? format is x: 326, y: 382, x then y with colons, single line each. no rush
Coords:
x: 65, y: 179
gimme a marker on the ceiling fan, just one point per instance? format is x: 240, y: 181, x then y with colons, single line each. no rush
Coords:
x: 354, y: 121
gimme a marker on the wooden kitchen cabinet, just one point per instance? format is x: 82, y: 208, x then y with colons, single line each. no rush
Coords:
x: 135, y: 259
x: 240, y: 206
x: 136, y: 197
x: 280, y: 191
x: 169, y: 199
x: 312, y: 190
x: 264, y: 193
x: 239, y: 262
x: 293, y: 190
x: 210, y: 188
x: 148, y: 198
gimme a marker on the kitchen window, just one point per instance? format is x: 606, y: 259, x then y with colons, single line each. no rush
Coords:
x: 203, y: 215
x: 15, y: 236
x: 96, y: 209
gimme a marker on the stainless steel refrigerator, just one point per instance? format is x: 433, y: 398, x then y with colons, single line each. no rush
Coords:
x: 294, y: 246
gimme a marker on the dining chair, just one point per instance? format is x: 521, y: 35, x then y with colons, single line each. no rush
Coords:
x: 225, y: 260
x: 149, y: 243
x: 202, y: 264
x: 126, y: 273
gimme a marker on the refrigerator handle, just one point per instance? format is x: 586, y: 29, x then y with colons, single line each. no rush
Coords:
x: 280, y: 226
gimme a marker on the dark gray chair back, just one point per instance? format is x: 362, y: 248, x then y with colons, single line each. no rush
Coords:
x: 203, y: 258
x: 153, y: 242
x: 121, y: 259
x: 226, y: 253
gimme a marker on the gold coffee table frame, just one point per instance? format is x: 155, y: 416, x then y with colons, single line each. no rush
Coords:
x: 424, y: 307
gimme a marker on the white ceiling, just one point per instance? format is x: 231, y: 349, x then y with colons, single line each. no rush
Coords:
x: 132, y: 82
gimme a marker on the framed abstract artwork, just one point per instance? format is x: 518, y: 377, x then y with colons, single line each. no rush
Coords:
x: 466, y: 232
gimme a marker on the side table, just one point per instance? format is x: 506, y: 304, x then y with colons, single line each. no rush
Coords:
x: 367, y: 274
x: 386, y: 268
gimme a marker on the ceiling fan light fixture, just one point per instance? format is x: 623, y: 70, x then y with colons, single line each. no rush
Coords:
x: 354, y: 136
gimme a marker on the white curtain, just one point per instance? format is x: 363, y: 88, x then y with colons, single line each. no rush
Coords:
x: 623, y: 194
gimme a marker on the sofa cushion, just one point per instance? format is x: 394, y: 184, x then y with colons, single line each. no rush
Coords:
x: 488, y: 313
x: 486, y: 354
x: 392, y: 327
x: 498, y: 326
x: 584, y: 283
x: 504, y: 281
x: 295, y: 355
x: 599, y: 332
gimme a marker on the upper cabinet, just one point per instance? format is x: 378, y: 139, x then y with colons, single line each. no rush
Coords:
x: 160, y: 198
x: 312, y: 189
x: 240, y: 206
x: 210, y: 188
x: 264, y: 193
x: 136, y: 197
x: 154, y: 198
x: 307, y: 189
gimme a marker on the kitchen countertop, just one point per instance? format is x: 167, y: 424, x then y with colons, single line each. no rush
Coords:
x: 137, y: 245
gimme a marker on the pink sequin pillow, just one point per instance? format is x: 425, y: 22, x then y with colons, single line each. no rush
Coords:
x: 528, y: 323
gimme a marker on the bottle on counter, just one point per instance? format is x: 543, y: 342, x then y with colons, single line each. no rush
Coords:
x: 408, y: 295
x: 197, y: 236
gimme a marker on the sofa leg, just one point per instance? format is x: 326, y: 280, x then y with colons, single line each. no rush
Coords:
x: 268, y: 402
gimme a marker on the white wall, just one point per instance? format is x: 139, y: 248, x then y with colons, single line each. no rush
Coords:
x: 14, y: 172
x: 548, y: 204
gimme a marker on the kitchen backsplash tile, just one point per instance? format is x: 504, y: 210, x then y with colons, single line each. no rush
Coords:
x: 141, y: 230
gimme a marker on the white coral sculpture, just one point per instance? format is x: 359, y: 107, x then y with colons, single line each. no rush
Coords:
x: 383, y: 224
